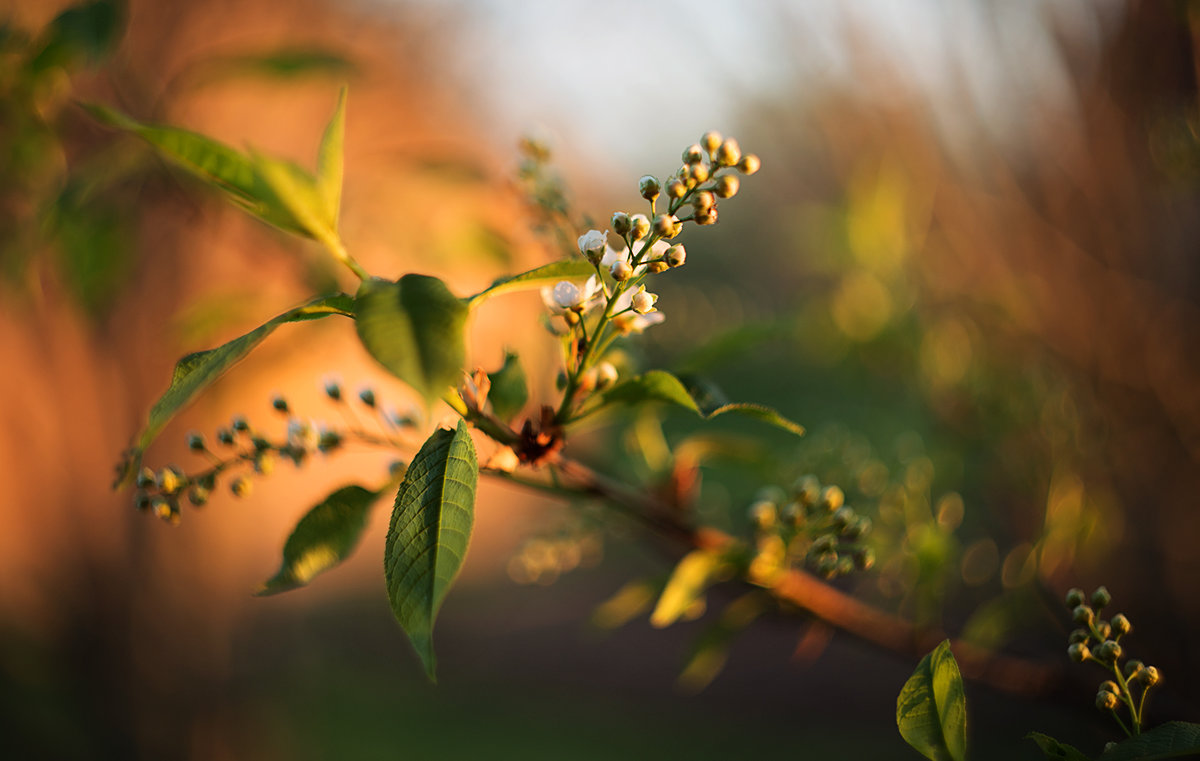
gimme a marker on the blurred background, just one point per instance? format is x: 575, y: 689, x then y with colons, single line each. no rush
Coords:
x: 968, y: 266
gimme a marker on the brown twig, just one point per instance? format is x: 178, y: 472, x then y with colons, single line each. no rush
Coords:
x: 828, y: 604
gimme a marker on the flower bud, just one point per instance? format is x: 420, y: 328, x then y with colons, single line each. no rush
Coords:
x: 843, y: 517
x: 823, y: 543
x: 706, y: 217
x: 864, y: 558
x: 703, y: 200
x: 697, y: 173
x: 727, y: 186
x: 279, y: 403
x: 664, y: 225
x: 367, y: 397
x: 711, y: 141
x: 845, y: 565
x: 693, y: 154
x: 195, y: 442
x: 749, y: 164
x: 146, y: 478
x: 606, y: 375
x: 762, y: 513
x: 1083, y: 615
x: 1074, y: 597
x: 807, y: 490
x: 1121, y: 625
x: 676, y: 188
x: 859, y: 528
x: 225, y: 436
x: 1103, y: 629
x: 240, y: 487
x: 587, y: 381
x: 1149, y: 676
x: 649, y: 187
x: 729, y: 153
x: 676, y: 256
x: 656, y: 267
x: 1100, y: 598
x: 621, y: 270
x: 621, y: 223
x: 333, y: 390
x: 1079, y: 635
x: 1109, y: 650
x: 1110, y: 686
x: 1106, y: 701
x: 641, y: 226
x: 169, y: 481
x: 832, y: 498
x: 240, y: 424
x: 592, y: 245
x: 1078, y: 652
x: 198, y: 496
x: 328, y: 441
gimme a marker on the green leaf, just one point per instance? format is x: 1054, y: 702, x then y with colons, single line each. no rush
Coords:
x: 89, y: 31
x: 197, y: 371
x: 1175, y: 739
x: 931, y: 711
x: 297, y: 191
x: 661, y: 386
x: 282, y: 63
x: 330, y: 161
x: 547, y: 274
x: 429, y: 532
x: 509, y: 390
x: 653, y: 386
x: 688, y: 581
x: 323, y: 538
x: 414, y: 328
x: 1054, y: 749
x: 215, y: 163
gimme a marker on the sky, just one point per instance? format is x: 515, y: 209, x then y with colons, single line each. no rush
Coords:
x: 625, y: 79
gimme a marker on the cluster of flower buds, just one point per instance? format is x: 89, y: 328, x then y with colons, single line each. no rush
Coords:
x: 811, y: 526
x: 242, y: 451
x: 1099, y: 641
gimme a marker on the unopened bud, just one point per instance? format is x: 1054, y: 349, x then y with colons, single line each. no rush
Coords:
x: 621, y: 270
x: 367, y: 397
x: 649, y: 187
x: 195, y: 442
x: 641, y: 226
x: 665, y: 225
x: 592, y: 245
x: 749, y: 164
x: 1075, y: 597
x: 1079, y: 635
x: 1110, y: 686
x: 762, y: 513
x: 676, y: 256
x: 729, y: 153
x: 711, y: 141
x: 1109, y: 650
x: 864, y: 558
x: 832, y: 498
x: 169, y: 481
x: 1149, y: 676
x: 279, y: 403
x: 705, y: 217
x: 606, y: 376
x: 697, y: 173
x: 656, y: 266
x: 1078, y: 652
x: 1083, y: 615
x: 727, y: 186
x: 240, y: 487
x: 1106, y: 701
x: 240, y: 424
x: 1121, y: 625
x: 333, y: 390
x: 621, y: 223
x: 146, y: 478
x: 703, y: 200
x: 1100, y: 598
x: 693, y: 154
x: 676, y: 188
